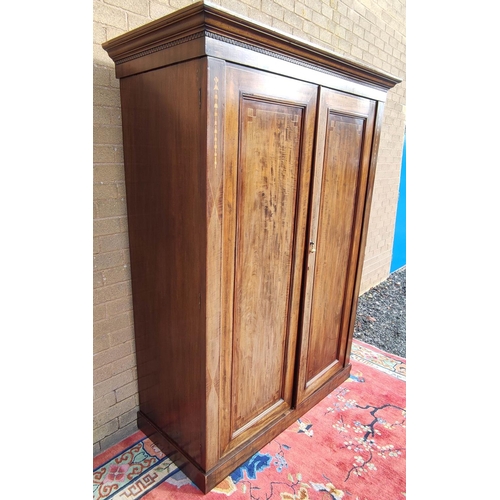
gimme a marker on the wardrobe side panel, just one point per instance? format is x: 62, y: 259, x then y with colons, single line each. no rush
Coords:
x: 165, y: 147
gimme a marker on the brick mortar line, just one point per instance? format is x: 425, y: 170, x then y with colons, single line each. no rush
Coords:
x: 102, y: 286
x: 111, y: 217
x: 111, y: 284
x: 107, y: 106
x: 106, y: 183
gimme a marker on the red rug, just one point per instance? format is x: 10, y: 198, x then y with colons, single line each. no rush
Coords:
x: 349, y: 446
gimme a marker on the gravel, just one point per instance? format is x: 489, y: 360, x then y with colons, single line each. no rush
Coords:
x: 381, y: 315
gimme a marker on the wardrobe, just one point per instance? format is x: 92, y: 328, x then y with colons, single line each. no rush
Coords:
x: 249, y: 166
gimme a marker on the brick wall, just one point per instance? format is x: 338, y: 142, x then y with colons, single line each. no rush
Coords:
x: 370, y: 31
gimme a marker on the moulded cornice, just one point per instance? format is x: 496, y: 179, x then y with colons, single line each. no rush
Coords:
x: 206, y: 20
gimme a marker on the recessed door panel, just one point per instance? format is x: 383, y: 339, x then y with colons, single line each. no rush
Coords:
x: 268, y: 157
x: 333, y: 241
x: 340, y: 179
x: 267, y: 189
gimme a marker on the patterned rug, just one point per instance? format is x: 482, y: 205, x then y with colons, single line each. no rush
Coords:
x: 351, y: 445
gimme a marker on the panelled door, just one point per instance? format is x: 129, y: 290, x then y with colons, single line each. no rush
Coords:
x: 268, y: 148
x: 341, y: 166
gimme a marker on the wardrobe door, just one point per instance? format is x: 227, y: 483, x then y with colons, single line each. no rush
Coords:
x: 341, y: 167
x: 268, y: 142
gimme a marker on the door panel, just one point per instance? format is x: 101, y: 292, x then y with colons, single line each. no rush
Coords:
x: 333, y: 240
x: 345, y: 132
x: 268, y: 153
x: 267, y: 190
